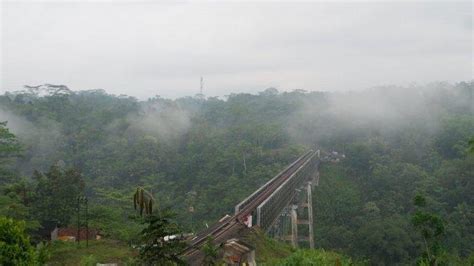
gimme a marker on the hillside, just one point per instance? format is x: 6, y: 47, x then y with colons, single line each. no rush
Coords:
x: 199, y: 156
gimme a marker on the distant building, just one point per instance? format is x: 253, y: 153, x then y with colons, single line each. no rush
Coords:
x: 70, y: 234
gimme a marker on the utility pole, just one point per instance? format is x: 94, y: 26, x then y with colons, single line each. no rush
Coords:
x: 87, y: 222
x: 78, y: 240
x: 82, y: 200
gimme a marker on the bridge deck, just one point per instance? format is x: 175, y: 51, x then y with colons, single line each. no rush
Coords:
x: 228, y: 228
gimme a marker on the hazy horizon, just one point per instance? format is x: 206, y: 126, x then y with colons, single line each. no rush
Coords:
x: 143, y: 49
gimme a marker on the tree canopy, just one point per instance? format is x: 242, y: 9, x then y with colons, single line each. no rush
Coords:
x: 200, y: 156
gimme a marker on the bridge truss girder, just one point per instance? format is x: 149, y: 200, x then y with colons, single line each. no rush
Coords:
x: 270, y: 210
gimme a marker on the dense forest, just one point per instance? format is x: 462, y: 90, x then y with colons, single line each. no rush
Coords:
x: 404, y: 188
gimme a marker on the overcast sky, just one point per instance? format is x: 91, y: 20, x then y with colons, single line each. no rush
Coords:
x: 149, y: 48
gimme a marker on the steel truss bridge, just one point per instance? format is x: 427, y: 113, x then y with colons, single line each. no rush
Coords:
x: 277, y: 208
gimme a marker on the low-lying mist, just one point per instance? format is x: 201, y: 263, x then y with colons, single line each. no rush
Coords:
x: 164, y: 121
x: 382, y: 110
x: 312, y: 119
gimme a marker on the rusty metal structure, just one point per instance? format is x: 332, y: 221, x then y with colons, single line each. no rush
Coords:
x: 278, y: 208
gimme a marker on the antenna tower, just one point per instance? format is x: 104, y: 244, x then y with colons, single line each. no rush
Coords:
x: 202, y: 85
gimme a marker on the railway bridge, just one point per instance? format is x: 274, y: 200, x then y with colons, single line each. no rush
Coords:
x: 279, y: 208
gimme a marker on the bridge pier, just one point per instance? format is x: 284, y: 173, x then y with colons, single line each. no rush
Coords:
x: 310, y: 214
x: 294, y: 226
x: 306, y: 209
x: 305, y: 218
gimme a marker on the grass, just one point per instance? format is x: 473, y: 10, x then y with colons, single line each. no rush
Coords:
x: 99, y: 251
x: 315, y: 257
x: 273, y: 252
x: 268, y: 252
x: 267, y: 249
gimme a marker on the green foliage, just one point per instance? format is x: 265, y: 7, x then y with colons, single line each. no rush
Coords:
x: 419, y: 201
x: 113, y: 222
x: 314, y: 257
x: 99, y: 251
x: 431, y: 228
x: 336, y: 202
x: 451, y: 140
x: 157, y: 247
x: 89, y: 260
x: 9, y: 148
x: 9, y: 145
x: 471, y: 145
x: 268, y: 249
x: 15, y: 246
x: 201, y: 156
x: 272, y: 252
x: 56, y: 195
x: 211, y: 253
x: 384, y: 241
x: 16, y: 203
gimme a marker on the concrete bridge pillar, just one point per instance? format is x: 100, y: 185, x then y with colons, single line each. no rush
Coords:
x: 305, y: 209
x: 294, y: 226
x: 310, y: 214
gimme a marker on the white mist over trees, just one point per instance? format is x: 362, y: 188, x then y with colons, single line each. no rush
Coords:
x: 199, y: 156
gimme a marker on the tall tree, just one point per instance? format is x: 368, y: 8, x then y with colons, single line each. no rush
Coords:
x: 471, y: 145
x: 160, y: 239
x: 161, y: 243
x: 56, y: 195
x: 9, y: 147
x: 431, y: 228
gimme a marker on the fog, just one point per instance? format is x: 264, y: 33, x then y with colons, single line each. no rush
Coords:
x: 194, y: 105
x: 40, y: 140
x: 161, y: 121
x: 147, y: 48
x: 382, y: 110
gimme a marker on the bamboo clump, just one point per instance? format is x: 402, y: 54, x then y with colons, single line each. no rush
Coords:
x: 143, y: 200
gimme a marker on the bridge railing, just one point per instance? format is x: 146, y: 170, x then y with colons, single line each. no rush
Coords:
x: 256, y: 194
x: 269, y: 210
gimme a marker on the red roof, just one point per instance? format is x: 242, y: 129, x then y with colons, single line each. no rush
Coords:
x: 68, y: 231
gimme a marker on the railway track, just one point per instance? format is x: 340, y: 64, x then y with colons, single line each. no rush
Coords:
x: 230, y: 224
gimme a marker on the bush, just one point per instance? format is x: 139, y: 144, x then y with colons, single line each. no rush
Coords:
x: 90, y: 260
x: 314, y: 257
x: 15, y: 246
